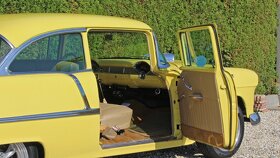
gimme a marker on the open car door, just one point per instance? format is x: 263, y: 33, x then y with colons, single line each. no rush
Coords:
x: 207, y: 94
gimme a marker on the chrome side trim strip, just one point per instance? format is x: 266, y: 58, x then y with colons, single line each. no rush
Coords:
x: 7, y: 41
x: 81, y: 89
x: 50, y: 115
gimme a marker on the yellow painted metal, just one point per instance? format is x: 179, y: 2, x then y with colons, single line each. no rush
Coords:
x: 86, y: 50
x: 126, y: 63
x: 245, y: 82
x: 38, y: 93
x: 18, y: 28
x: 131, y: 80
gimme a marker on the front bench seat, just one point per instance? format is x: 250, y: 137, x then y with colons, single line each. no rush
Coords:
x: 115, y: 115
x: 66, y: 66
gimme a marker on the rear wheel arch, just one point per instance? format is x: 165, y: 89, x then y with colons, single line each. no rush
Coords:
x: 22, y: 149
x: 241, y: 105
x: 39, y: 146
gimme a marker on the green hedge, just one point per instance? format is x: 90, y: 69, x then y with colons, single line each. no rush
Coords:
x: 247, y: 28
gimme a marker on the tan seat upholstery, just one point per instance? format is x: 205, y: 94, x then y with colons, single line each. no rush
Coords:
x: 66, y: 66
x: 115, y: 115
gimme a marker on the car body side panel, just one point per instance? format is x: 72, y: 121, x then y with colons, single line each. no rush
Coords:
x: 60, y: 137
x: 38, y: 93
x: 245, y: 82
x: 49, y: 109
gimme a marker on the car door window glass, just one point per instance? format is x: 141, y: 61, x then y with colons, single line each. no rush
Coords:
x: 62, y: 52
x: 199, y: 52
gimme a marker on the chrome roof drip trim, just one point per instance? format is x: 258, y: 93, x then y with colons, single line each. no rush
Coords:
x: 50, y: 115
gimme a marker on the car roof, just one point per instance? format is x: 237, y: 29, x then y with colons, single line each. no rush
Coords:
x: 18, y: 28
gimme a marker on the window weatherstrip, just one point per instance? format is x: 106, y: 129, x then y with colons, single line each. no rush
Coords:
x: 50, y: 115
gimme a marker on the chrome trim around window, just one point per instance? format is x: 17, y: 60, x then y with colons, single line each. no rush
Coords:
x: 7, y: 41
x: 50, y: 115
x: 15, y: 51
x: 81, y: 89
x: 159, y: 55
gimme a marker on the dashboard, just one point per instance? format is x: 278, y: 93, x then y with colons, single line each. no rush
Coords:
x: 133, y: 73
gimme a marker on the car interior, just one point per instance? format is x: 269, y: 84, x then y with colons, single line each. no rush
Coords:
x: 134, y: 102
x: 133, y: 113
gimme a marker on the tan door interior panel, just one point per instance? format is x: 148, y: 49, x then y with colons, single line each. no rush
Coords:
x: 199, y: 106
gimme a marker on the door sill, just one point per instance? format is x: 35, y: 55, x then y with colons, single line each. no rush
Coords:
x: 137, y: 142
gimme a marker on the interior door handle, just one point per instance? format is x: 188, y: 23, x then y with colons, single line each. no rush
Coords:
x: 197, y: 97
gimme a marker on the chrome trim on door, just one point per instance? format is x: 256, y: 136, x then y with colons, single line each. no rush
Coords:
x: 50, y: 115
x: 81, y: 89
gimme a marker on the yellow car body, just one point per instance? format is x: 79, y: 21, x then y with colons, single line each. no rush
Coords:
x: 59, y: 111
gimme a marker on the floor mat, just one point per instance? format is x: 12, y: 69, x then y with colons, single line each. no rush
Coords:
x: 155, y: 122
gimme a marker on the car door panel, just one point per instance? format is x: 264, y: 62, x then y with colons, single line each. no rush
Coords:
x: 207, y: 100
x: 195, y: 117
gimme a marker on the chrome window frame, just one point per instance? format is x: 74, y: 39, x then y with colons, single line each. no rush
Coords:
x: 158, y: 54
x: 7, y: 41
x: 4, y: 65
x: 7, y: 54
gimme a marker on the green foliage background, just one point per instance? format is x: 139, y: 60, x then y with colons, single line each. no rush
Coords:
x: 247, y: 28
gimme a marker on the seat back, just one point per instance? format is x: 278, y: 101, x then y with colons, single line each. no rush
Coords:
x: 66, y: 66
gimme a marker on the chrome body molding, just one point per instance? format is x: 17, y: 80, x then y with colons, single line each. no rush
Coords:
x: 75, y: 79
x: 4, y: 65
x: 7, y: 41
x: 50, y: 115
x: 81, y: 89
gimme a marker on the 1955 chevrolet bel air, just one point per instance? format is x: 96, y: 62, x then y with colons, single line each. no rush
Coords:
x: 95, y: 86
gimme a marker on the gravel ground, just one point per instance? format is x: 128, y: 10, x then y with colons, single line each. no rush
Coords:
x: 262, y: 140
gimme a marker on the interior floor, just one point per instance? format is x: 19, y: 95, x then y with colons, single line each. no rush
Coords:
x: 147, y: 124
x: 127, y: 136
x: 155, y: 122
